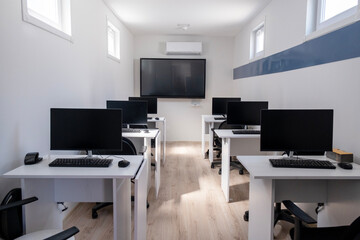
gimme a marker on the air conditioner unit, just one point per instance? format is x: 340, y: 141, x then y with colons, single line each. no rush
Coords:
x: 183, y: 48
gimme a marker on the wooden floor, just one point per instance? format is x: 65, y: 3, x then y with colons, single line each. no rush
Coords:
x: 191, y: 204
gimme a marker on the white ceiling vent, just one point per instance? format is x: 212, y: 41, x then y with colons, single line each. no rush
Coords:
x: 183, y: 48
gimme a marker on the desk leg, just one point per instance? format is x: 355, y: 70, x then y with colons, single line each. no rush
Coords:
x: 261, y: 209
x: 157, y: 166
x: 41, y: 214
x: 164, y: 140
x: 122, y: 208
x: 211, y: 148
x: 203, y: 136
x: 140, y: 204
x: 147, y: 156
x: 225, y: 167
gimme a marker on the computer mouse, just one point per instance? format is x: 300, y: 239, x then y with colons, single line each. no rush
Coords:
x: 123, y: 163
x: 345, y: 165
x: 157, y: 118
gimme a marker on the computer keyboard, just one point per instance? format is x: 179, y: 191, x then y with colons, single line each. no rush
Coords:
x: 131, y: 130
x: 220, y: 118
x: 246, y: 131
x: 80, y: 162
x: 301, y: 163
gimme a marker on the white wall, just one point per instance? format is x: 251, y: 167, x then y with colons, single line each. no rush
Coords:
x: 39, y: 70
x: 183, y: 119
x: 335, y: 85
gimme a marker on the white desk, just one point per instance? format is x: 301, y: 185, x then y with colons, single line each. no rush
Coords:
x: 160, y: 123
x: 207, y: 123
x: 68, y: 184
x: 269, y: 185
x: 147, y: 136
x: 232, y: 145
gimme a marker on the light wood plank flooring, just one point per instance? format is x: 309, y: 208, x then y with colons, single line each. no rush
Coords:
x: 191, y: 204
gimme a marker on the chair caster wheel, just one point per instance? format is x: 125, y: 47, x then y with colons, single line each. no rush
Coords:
x: 241, y: 172
x: 212, y: 165
x: 246, y: 216
x: 94, y: 215
x: 219, y: 171
x: 147, y: 205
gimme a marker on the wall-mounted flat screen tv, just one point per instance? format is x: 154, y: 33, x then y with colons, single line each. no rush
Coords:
x: 172, y: 78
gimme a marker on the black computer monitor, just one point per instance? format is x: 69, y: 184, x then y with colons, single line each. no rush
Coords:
x: 245, y: 113
x: 219, y: 105
x: 133, y: 112
x: 152, y: 103
x: 296, y: 130
x: 85, y: 129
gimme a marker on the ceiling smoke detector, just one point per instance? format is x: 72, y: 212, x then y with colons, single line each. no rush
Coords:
x: 183, y: 27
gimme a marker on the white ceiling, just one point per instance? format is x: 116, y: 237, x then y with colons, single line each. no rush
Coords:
x: 206, y: 17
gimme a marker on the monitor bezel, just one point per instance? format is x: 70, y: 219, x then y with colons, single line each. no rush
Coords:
x: 298, y: 149
x: 98, y: 111
x: 151, y: 101
x: 233, y: 99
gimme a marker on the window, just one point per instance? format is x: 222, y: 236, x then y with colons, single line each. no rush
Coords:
x: 257, y: 41
x: 50, y: 15
x: 324, y: 13
x: 113, y: 35
x: 331, y: 8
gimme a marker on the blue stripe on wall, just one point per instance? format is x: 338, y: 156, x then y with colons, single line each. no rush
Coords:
x: 335, y: 46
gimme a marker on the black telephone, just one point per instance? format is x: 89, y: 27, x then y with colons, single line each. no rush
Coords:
x: 32, y: 158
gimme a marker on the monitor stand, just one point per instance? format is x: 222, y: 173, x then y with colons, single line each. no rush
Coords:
x: 291, y: 156
x: 90, y: 155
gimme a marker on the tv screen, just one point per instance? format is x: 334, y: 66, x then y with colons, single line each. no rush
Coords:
x: 172, y: 78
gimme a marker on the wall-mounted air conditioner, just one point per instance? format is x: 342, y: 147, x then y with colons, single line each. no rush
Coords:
x: 183, y: 48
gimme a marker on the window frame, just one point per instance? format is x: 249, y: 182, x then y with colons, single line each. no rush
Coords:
x: 116, y: 41
x: 253, y: 42
x: 335, y: 19
x: 63, y: 29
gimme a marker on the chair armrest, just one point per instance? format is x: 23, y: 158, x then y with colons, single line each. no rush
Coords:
x: 64, y: 234
x: 143, y: 150
x: 300, y: 214
x: 17, y: 203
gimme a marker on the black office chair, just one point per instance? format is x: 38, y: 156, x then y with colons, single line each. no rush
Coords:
x: 11, y: 220
x: 128, y: 148
x: 218, y: 147
x: 301, y: 232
